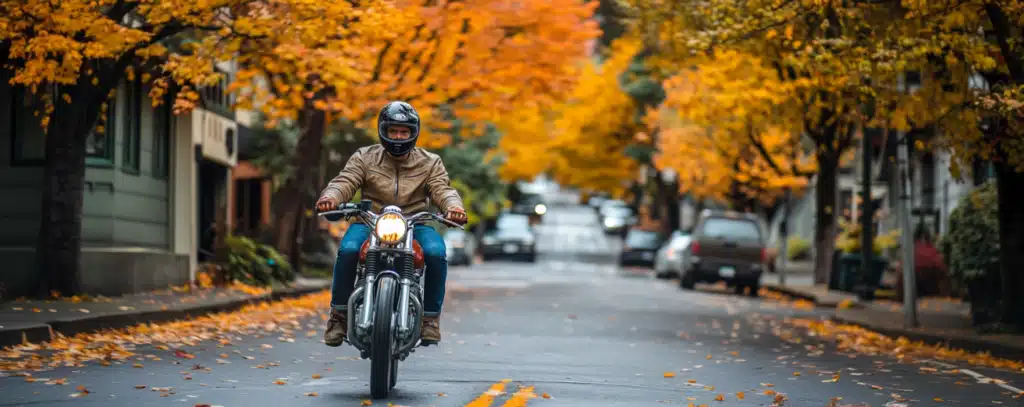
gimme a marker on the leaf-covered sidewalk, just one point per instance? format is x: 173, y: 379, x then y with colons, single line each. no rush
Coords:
x: 39, y: 320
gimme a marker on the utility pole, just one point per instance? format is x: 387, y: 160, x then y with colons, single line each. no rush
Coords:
x: 867, y: 250
x: 784, y: 236
x: 907, y: 244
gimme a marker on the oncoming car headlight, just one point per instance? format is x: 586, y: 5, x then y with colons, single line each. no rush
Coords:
x: 390, y: 228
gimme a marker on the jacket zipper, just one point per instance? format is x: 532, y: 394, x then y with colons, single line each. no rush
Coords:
x: 397, y: 180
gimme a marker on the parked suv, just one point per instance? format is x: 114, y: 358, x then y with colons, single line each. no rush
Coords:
x: 727, y: 246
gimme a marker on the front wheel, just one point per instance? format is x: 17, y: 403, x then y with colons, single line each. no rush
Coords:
x: 686, y: 281
x: 383, y: 367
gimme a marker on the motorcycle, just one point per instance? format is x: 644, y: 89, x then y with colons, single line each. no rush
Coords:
x: 385, y: 310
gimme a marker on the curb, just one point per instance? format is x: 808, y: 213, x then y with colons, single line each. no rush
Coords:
x: 807, y: 297
x: 952, y: 341
x: 43, y: 332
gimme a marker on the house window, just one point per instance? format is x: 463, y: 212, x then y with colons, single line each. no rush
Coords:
x: 162, y: 117
x: 99, y: 146
x: 132, y: 126
x: 28, y: 142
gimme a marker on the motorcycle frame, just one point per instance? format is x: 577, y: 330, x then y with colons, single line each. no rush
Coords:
x: 360, y: 319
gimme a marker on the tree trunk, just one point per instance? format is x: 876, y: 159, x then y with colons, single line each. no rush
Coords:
x: 1010, y: 185
x: 672, y: 207
x: 825, y: 216
x: 58, y: 247
x: 289, y: 199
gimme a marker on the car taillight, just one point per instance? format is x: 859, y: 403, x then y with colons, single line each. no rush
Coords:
x: 695, y: 248
x: 764, y: 255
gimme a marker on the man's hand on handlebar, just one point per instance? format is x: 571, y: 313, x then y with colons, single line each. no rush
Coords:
x: 326, y: 203
x: 456, y: 215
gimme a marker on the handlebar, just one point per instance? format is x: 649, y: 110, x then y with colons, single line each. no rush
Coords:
x: 349, y: 210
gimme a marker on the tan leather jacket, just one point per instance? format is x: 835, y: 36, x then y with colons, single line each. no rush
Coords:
x: 387, y: 181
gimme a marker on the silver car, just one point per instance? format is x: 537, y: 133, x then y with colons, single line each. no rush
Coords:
x: 670, y: 258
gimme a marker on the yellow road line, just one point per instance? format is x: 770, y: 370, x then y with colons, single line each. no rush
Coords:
x: 487, y: 398
x: 520, y: 398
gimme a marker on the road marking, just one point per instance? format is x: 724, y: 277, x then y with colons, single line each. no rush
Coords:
x: 487, y: 398
x: 521, y: 397
x: 978, y: 376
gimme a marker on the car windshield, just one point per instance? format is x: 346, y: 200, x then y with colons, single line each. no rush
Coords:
x: 736, y: 229
x: 509, y: 221
x: 640, y: 238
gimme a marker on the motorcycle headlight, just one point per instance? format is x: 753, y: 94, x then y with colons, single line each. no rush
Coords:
x: 390, y: 228
x: 540, y: 209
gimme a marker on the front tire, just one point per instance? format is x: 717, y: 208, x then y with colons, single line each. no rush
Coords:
x: 686, y: 281
x: 383, y: 341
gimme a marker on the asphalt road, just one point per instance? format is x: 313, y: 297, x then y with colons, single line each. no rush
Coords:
x: 572, y: 328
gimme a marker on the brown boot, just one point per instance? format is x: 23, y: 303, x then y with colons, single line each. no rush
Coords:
x: 337, y: 328
x: 431, y: 332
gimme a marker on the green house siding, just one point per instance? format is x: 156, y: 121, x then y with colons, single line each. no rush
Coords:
x: 124, y: 206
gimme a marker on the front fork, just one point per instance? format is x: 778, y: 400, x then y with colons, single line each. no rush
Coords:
x: 360, y: 324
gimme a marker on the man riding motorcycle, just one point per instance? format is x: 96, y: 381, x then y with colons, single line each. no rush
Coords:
x: 394, y: 172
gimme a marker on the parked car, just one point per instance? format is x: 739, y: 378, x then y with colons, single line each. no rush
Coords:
x: 532, y: 205
x: 512, y: 237
x: 639, y: 248
x: 610, y: 204
x: 460, y: 247
x: 726, y: 246
x: 617, y: 219
x: 669, y: 261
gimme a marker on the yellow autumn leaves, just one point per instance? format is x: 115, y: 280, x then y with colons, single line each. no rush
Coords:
x: 579, y: 139
x: 473, y: 59
x: 728, y: 121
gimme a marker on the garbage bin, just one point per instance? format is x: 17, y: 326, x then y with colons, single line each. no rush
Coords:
x: 848, y: 276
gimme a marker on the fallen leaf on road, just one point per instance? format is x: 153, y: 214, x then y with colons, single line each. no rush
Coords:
x: 740, y: 395
x: 313, y: 394
x: 137, y: 365
x: 279, y: 382
x: 140, y: 386
x: 545, y: 396
x: 691, y: 381
x: 769, y: 392
x: 366, y: 403
x: 938, y: 400
x: 442, y: 394
x: 720, y: 397
x: 669, y: 374
x: 61, y: 381
x: 316, y: 376
x: 796, y: 373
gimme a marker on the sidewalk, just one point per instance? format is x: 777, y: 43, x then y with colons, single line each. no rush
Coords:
x: 945, y: 322
x: 33, y: 320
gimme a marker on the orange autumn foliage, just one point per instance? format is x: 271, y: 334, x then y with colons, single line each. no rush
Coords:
x: 581, y: 139
x: 471, y: 60
x: 728, y: 121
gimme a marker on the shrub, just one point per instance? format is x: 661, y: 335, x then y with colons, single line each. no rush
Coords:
x: 252, y: 263
x: 849, y: 239
x: 798, y: 248
x: 973, y: 236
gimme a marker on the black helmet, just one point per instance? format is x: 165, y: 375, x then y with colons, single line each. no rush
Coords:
x: 401, y: 114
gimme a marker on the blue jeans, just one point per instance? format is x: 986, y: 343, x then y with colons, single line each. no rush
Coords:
x: 348, y: 259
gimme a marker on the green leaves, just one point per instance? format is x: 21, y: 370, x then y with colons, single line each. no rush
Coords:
x: 973, y: 235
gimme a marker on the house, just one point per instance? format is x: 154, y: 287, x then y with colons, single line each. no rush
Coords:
x: 153, y: 180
